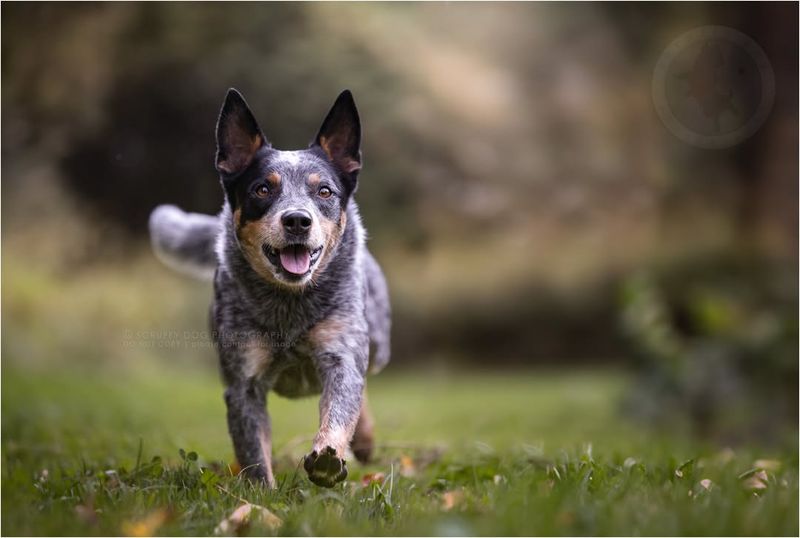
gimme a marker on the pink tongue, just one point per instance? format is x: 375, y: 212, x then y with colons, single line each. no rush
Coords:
x: 296, y: 259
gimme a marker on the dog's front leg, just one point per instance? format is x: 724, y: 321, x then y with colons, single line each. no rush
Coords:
x: 342, y: 379
x: 249, y: 426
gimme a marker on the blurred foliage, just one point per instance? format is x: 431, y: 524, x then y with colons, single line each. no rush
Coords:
x: 715, y: 347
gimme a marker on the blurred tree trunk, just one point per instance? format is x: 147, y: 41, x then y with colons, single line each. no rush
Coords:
x: 769, y: 200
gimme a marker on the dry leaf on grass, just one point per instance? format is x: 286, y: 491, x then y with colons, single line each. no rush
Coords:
x: 407, y: 467
x: 86, y: 512
x: 245, y: 515
x: 148, y: 525
x: 235, y: 468
x: 756, y: 481
x: 370, y: 478
x: 452, y: 499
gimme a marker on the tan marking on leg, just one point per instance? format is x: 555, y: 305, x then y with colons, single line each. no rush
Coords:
x: 363, y: 438
x: 326, y: 332
x: 266, y: 453
x: 256, y: 356
x: 335, y: 436
x: 338, y: 439
x: 322, y: 336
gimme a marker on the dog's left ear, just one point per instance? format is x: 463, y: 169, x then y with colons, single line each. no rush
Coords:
x: 340, y: 136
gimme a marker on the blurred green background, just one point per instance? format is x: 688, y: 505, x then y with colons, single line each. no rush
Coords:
x: 527, y: 204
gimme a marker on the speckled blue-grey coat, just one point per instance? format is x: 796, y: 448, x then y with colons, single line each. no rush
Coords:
x: 300, y: 305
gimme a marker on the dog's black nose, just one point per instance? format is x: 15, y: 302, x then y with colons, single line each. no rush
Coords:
x: 296, y: 222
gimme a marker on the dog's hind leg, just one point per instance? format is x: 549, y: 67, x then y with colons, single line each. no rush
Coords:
x: 363, y: 440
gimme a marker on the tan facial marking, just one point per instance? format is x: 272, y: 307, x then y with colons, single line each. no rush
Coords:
x: 274, y: 178
x: 333, y: 233
x: 314, y: 179
x: 252, y: 235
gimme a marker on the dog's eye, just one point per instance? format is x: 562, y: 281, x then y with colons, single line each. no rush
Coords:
x: 325, y: 192
x: 262, y: 191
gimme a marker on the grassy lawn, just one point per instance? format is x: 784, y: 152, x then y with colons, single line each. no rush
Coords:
x: 97, y: 451
x: 92, y: 433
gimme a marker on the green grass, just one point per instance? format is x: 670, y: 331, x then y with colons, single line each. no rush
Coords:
x: 84, y: 416
x: 517, y: 454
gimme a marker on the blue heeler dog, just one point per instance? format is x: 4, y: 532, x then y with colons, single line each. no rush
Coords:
x: 300, y: 305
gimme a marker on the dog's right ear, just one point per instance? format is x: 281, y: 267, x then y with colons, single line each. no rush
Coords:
x: 238, y: 136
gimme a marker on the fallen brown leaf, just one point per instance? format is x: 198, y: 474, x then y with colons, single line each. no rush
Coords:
x: 451, y: 499
x: 235, y: 468
x: 706, y: 484
x: 407, y: 467
x: 86, y: 513
x: 756, y: 481
x: 371, y: 478
x: 246, y: 514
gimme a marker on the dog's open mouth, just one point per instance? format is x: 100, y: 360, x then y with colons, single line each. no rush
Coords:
x: 295, y: 260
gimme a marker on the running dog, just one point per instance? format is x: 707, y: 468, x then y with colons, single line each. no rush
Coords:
x: 300, y: 305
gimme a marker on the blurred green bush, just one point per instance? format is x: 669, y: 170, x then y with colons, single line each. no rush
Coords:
x: 715, y: 346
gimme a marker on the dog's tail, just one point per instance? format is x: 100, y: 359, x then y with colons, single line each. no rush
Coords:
x: 185, y: 241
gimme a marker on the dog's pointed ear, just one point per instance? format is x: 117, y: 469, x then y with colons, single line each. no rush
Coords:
x: 238, y: 135
x: 340, y: 135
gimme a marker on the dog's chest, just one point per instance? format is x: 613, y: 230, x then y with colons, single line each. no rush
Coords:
x: 294, y: 374
x: 287, y: 369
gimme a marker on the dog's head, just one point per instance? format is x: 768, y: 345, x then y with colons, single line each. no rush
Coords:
x: 288, y: 207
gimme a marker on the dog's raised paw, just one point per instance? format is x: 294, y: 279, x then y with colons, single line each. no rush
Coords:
x: 325, y: 469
